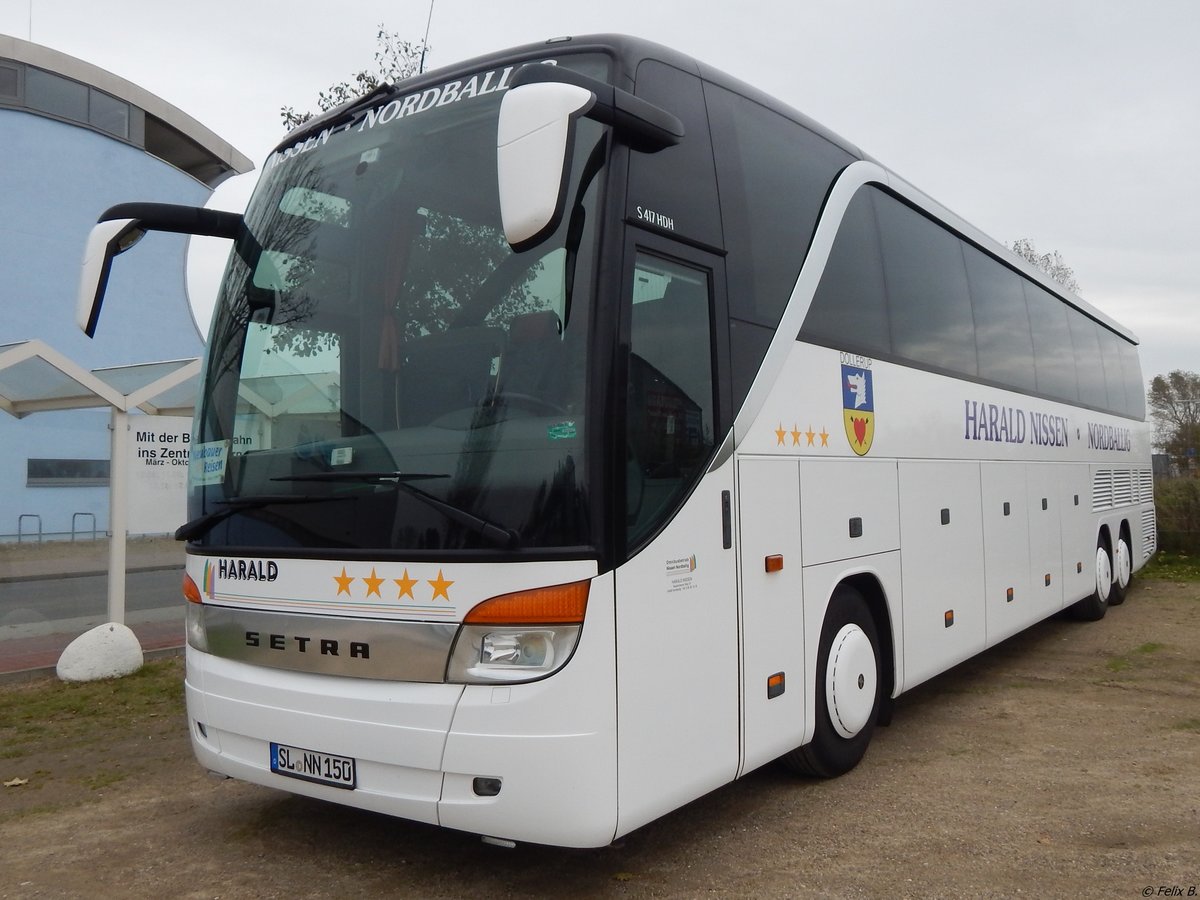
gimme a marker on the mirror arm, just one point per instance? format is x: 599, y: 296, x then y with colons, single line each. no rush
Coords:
x: 644, y: 126
x: 122, y: 226
x: 177, y: 219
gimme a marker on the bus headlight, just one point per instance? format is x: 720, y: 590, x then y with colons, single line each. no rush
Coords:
x: 519, y: 637
x: 197, y: 635
x: 484, y: 655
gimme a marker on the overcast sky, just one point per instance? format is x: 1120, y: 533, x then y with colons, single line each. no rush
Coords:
x: 1074, y: 124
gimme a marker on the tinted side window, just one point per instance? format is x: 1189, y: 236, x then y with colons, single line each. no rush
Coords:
x: 1054, y: 355
x: 1002, y: 339
x: 1114, y: 377
x: 1135, y: 387
x: 773, y: 175
x: 927, y: 289
x: 670, y: 405
x: 1088, y: 367
x: 849, y: 310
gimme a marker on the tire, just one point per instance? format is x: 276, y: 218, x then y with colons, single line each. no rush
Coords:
x: 1122, y: 572
x: 847, y: 694
x: 1093, y: 608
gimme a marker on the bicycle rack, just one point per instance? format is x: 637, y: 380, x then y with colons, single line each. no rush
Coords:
x: 21, y: 526
x: 76, y: 516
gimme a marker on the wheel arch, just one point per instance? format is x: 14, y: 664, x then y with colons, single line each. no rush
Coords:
x: 872, y: 591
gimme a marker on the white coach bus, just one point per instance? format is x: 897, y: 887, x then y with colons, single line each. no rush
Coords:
x: 582, y: 429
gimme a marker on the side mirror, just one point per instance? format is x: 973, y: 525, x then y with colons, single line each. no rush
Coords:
x: 535, y: 136
x: 123, y: 226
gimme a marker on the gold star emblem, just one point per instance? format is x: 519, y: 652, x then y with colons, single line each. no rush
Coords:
x: 824, y: 437
x: 406, y: 585
x: 796, y: 432
x: 373, y: 584
x: 344, y: 582
x: 441, y: 586
x: 780, y: 434
x: 810, y: 434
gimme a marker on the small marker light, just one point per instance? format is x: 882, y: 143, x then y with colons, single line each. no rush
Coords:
x: 775, y: 685
x: 949, y: 617
x: 774, y: 562
x: 486, y: 787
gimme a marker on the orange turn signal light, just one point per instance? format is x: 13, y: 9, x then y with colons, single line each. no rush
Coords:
x: 559, y: 604
x: 774, y: 562
x: 191, y: 592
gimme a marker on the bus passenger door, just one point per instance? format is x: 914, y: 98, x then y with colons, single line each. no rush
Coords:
x: 772, y: 612
x: 676, y: 595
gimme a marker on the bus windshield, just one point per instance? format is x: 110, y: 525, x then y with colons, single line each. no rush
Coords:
x: 384, y: 372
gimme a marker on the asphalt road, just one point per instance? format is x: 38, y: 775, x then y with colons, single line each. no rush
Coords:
x: 47, y: 605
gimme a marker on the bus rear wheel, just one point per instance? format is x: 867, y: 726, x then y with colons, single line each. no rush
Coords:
x: 847, y: 694
x: 1093, y: 608
x: 1122, y: 572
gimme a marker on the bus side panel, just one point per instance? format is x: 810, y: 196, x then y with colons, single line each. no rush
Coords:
x: 848, y: 508
x: 677, y: 661
x: 941, y: 529
x: 552, y: 743
x: 1045, y: 535
x: 772, y: 609
x: 1008, y: 589
x: 1078, y: 532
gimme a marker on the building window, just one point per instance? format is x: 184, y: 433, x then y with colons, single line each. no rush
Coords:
x: 109, y: 114
x: 10, y: 82
x: 67, y: 473
x: 56, y: 95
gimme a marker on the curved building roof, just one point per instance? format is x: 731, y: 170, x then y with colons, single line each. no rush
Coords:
x: 46, y: 82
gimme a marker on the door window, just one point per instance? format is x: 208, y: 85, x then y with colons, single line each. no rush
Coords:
x: 670, y: 402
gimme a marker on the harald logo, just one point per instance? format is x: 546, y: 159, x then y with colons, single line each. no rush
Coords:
x: 858, y: 408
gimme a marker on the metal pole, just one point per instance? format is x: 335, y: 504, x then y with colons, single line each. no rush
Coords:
x: 117, y: 496
x: 425, y: 42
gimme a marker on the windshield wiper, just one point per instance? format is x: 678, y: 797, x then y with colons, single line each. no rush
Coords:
x: 201, y: 525
x: 489, y: 531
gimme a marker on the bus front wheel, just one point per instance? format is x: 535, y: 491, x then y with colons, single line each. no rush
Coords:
x: 847, y: 694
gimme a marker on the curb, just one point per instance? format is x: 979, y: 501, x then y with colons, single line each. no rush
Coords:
x: 91, y: 573
x: 22, y: 676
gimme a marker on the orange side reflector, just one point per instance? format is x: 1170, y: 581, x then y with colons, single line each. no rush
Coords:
x: 774, y: 562
x: 949, y: 617
x: 560, y: 604
x: 191, y: 593
x: 775, y: 685
x: 1010, y: 595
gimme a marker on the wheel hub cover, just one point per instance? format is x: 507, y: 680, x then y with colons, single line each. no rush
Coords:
x: 1124, y: 564
x: 1103, y: 574
x: 850, y: 680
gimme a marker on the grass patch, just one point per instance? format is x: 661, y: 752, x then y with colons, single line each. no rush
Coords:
x: 51, y: 712
x: 1126, y: 661
x: 102, y: 780
x: 1192, y: 725
x: 1169, y: 565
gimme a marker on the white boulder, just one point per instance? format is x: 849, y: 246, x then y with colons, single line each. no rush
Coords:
x: 107, y: 651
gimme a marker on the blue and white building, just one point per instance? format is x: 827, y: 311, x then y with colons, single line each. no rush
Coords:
x: 75, y: 140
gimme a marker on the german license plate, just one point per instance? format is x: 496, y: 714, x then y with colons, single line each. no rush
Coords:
x: 309, y: 765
